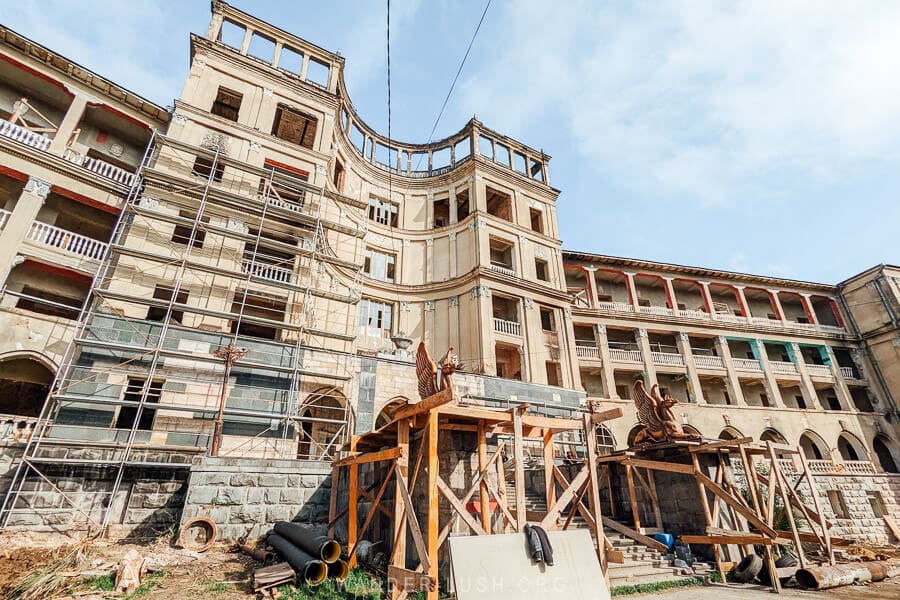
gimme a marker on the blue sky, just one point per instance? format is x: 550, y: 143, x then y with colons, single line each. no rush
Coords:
x: 760, y: 137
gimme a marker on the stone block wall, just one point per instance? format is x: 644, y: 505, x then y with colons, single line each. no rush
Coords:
x: 247, y: 496
x: 857, y: 491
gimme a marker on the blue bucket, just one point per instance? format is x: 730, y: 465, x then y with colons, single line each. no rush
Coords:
x: 665, y: 538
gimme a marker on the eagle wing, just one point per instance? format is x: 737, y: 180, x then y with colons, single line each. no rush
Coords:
x: 426, y: 371
x: 646, y: 406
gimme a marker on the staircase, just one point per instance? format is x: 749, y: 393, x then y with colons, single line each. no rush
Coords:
x: 642, y: 564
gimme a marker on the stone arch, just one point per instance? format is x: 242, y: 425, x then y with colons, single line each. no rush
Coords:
x: 813, y: 446
x: 632, y: 433
x: 886, y: 450
x: 386, y: 414
x: 691, y: 429
x: 771, y: 434
x: 25, y: 380
x: 730, y: 433
x: 851, y: 447
x: 322, y: 426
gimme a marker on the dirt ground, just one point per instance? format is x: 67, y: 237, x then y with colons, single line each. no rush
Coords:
x: 177, y: 574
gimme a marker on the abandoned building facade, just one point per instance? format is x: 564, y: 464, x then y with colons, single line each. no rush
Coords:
x: 243, y: 275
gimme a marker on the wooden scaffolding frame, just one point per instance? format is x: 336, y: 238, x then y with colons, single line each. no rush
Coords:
x: 443, y: 412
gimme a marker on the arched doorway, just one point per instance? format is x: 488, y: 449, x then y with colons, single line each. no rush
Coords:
x: 322, y: 426
x: 730, y: 433
x: 24, y: 385
x: 882, y: 445
x: 814, y: 447
x: 851, y: 448
x: 774, y: 436
x: 386, y: 414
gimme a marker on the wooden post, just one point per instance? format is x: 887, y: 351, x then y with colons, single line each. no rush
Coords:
x: 351, y: 515
x: 501, y: 491
x: 651, y: 482
x: 519, y: 456
x: 635, y: 513
x: 814, y: 492
x: 594, y: 498
x: 332, y: 506
x: 484, y: 497
x: 704, y: 501
x: 433, y: 512
x: 549, y: 485
x: 777, y: 476
x: 398, y: 552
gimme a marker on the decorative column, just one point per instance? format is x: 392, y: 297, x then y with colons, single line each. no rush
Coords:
x: 810, y: 397
x: 707, y: 298
x: 567, y: 350
x: 771, y: 383
x: 69, y: 124
x: 245, y: 44
x: 454, y: 209
x: 632, y: 289
x: 840, y: 386
x: 16, y: 230
x: 683, y: 341
x: 808, y: 308
x: 732, y: 381
x: 591, y: 285
x: 215, y: 24
x: 607, y: 374
x: 646, y: 355
x: 742, y: 300
x: 776, y: 304
x: 453, y: 256
x: 483, y: 333
x: 670, y: 293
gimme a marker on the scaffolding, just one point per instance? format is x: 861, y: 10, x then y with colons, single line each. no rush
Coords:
x: 221, y: 321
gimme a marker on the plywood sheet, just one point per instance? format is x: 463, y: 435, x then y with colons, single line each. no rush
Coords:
x: 498, y: 567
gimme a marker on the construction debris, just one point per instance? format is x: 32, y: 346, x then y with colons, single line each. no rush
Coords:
x: 198, y: 534
x: 131, y: 569
x: 268, y: 577
x: 825, y: 577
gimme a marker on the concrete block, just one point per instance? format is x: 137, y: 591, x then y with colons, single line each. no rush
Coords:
x: 202, y: 494
x: 269, y: 480
x: 231, y: 496
x: 256, y: 495
x: 248, y: 514
x: 244, y: 480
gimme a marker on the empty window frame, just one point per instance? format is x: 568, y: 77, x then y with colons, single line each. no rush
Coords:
x: 440, y: 159
x: 261, y: 47
x: 553, y: 377
x: 502, y: 155
x: 838, y: 504
x: 502, y: 253
x: 541, y: 269
x: 380, y: 265
x: 287, y: 185
x: 383, y: 212
x: 293, y: 126
x: 227, y: 104
x: 290, y: 60
x: 203, y: 167
x: 164, y: 292
x: 337, y: 177
x: 133, y: 392
x: 375, y: 317
x: 462, y: 149
x: 462, y: 204
x: 317, y: 72
x: 536, y: 169
x: 232, y: 34
x: 876, y: 501
x: 441, y: 212
x: 536, y: 216
x: 519, y: 162
x: 548, y: 319
x: 499, y: 204
x: 256, y: 305
x: 486, y: 147
x: 182, y: 233
x: 357, y: 138
x: 47, y: 303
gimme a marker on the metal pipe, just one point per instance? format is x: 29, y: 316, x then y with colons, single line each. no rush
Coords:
x: 260, y: 554
x: 313, y: 571
x: 339, y: 570
x: 317, y: 545
x: 825, y: 577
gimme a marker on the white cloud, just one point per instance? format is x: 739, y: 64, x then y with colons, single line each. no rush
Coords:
x: 700, y: 99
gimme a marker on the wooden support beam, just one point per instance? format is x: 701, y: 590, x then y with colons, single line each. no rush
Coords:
x: 660, y: 466
x: 502, y: 501
x: 519, y: 457
x: 332, y: 505
x: 424, y: 406
x: 549, y: 484
x: 484, y: 499
x: 594, y: 492
x: 368, y: 457
x: 574, y: 508
x: 372, y: 511
x: 418, y: 540
x: 459, y: 508
x: 352, y: 514
x: 632, y: 497
x: 476, y: 484
x: 776, y: 476
x: 433, y: 507
x: 704, y: 501
x: 729, y: 499
x: 737, y: 539
x: 408, y: 580
x: 728, y: 444
x: 606, y: 415
x: 814, y: 492
x: 651, y: 487
x: 398, y: 550
x: 569, y: 491
x: 631, y: 533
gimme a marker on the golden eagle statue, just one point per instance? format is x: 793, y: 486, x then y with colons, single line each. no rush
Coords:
x: 656, y: 416
x: 427, y: 372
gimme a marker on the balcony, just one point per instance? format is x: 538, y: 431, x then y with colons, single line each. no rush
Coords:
x: 709, y: 362
x: 667, y: 359
x: 587, y: 350
x: 507, y: 327
x: 24, y: 136
x: 266, y: 271
x: 68, y: 242
x: 820, y: 466
x: 504, y: 269
x: 615, y: 306
x: 787, y: 368
x: 631, y: 356
x: 656, y: 310
x: 4, y: 217
x: 746, y: 364
x: 819, y: 370
x: 846, y: 372
x: 859, y: 467
x: 100, y: 167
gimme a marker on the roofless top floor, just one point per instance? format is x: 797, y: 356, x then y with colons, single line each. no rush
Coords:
x: 290, y: 55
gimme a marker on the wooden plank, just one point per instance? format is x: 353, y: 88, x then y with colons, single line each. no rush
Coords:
x: 413, y: 523
x: 369, y: 457
x: 433, y: 506
x: 728, y: 499
x: 823, y: 523
x: 372, y: 511
x: 786, y: 491
x: 549, y: 485
x: 501, y: 495
x: 482, y: 464
x: 704, y: 501
x: 476, y: 482
x: 632, y: 497
x: 661, y: 466
x: 332, y: 505
x: 728, y: 444
x: 569, y: 491
x: 606, y: 415
x: 651, y: 487
x: 631, y: 533
x: 614, y: 457
x: 727, y: 539
x: 574, y: 509
x: 267, y: 577
x: 398, y: 550
x: 519, y: 473
x: 409, y: 580
x: 892, y: 525
x: 459, y: 508
x: 594, y: 493
x: 424, y: 406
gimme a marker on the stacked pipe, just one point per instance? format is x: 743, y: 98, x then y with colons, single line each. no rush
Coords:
x: 825, y: 577
x: 314, y: 557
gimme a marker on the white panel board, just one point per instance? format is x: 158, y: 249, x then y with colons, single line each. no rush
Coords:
x: 498, y: 567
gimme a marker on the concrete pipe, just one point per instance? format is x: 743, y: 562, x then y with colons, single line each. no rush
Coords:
x: 319, y: 546
x: 339, y: 570
x: 825, y: 577
x: 312, y: 570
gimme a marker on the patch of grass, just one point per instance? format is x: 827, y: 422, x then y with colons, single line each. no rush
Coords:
x: 211, y: 585
x: 646, y: 588
x: 150, y: 583
x: 359, y: 585
x: 103, y: 583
